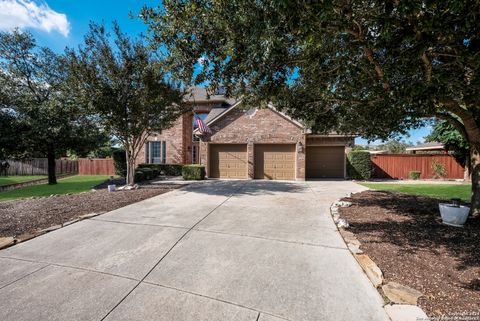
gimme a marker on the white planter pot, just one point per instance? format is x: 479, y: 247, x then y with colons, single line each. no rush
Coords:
x: 454, y: 215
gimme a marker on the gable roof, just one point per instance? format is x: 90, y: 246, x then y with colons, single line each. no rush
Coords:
x: 218, y: 114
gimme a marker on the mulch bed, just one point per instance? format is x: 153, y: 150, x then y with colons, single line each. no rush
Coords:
x: 404, y: 235
x: 29, y: 215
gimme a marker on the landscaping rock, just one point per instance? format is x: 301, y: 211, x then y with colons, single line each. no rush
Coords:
x: 343, y: 223
x: 371, y: 269
x: 336, y: 218
x: 403, y: 312
x: 6, y: 241
x: 402, y: 294
x: 355, y: 249
x: 343, y: 204
x: 334, y: 210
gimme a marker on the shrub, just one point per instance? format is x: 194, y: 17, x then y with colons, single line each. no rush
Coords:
x: 139, y: 176
x: 415, y: 174
x: 439, y: 170
x: 120, y: 162
x: 156, y: 172
x: 165, y: 169
x: 147, y: 173
x: 359, y: 165
x: 193, y: 172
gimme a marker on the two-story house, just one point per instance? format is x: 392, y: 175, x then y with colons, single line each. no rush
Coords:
x: 247, y: 143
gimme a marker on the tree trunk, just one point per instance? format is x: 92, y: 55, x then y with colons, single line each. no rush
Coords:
x: 475, y: 174
x: 130, y: 179
x: 52, y: 178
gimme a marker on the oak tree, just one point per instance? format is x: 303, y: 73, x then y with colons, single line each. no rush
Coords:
x: 369, y: 67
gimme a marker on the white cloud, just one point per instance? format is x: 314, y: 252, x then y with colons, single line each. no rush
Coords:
x: 32, y: 14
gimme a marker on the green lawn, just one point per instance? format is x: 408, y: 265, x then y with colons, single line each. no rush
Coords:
x: 7, y: 180
x: 443, y: 191
x: 72, y: 184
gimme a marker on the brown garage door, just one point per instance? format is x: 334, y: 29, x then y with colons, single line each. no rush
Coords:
x: 228, y: 161
x: 275, y: 161
x: 325, y: 161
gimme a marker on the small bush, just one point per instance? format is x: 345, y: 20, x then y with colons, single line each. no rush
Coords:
x: 120, y: 162
x: 193, y: 172
x: 359, y: 165
x: 415, y: 175
x: 139, y: 176
x: 165, y: 169
x: 439, y: 170
x: 147, y: 173
x: 156, y: 172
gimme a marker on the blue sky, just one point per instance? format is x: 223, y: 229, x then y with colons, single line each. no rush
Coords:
x: 61, y: 23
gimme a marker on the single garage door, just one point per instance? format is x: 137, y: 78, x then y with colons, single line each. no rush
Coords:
x: 325, y: 161
x: 228, y: 161
x: 275, y: 161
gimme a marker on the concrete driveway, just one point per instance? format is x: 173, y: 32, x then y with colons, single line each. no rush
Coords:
x: 213, y: 251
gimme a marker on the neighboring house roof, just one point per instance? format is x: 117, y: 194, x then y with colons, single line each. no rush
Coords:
x: 201, y: 95
x: 427, y: 146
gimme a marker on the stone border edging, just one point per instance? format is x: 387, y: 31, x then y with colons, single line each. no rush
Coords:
x: 400, y: 301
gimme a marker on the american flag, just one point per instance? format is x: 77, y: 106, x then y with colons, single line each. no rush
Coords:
x: 202, y: 127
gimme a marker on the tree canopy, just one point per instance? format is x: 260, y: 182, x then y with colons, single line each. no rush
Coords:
x: 124, y: 85
x: 369, y: 67
x: 453, y: 142
x: 37, y: 107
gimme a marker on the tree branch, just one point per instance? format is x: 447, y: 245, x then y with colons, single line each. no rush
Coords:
x: 428, y: 67
x: 454, y: 122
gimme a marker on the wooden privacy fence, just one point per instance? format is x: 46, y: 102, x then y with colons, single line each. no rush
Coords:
x: 96, y: 166
x: 39, y: 166
x: 400, y: 165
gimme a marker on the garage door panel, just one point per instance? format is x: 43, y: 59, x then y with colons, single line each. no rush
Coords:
x: 325, y: 161
x: 275, y: 161
x: 228, y: 161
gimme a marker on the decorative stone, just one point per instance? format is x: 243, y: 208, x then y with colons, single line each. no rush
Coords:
x: 342, y: 204
x: 402, y: 294
x: 336, y: 218
x: 404, y: 312
x: 6, y: 241
x: 343, y: 223
x: 355, y: 249
x: 371, y: 269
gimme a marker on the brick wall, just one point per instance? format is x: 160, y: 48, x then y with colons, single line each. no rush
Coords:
x: 256, y: 126
x: 174, y: 143
x: 178, y: 138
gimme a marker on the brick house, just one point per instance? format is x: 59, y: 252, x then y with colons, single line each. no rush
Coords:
x: 248, y: 143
